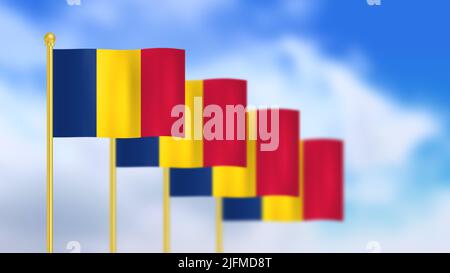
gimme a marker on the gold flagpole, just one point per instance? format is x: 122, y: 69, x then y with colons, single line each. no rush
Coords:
x: 50, y: 39
x: 112, y: 197
x: 166, y: 211
x: 219, y: 225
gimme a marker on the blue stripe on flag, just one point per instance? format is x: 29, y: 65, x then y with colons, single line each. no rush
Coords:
x: 242, y: 209
x: 191, y: 182
x: 137, y: 152
x: 74, y: 93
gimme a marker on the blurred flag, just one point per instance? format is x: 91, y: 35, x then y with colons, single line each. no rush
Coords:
x: 323, y: 179
x: 222, y: 101
x: 143, y: 152
x: 321, y: 183
x: 116, y: 93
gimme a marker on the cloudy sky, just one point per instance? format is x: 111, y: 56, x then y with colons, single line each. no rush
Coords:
x: 376, y: 77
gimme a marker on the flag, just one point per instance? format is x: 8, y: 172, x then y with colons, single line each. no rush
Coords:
x: 323, y: 179
x: 190, y: 182
x: 116, y: 93
x: 321, y: 182
x: 277, y: 170
x: 222, y: 101
x: 266, y: 208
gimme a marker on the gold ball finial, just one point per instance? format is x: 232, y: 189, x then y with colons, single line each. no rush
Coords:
x: 50, y: 39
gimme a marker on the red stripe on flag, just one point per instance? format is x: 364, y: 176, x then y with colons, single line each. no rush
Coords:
x: 323, y: 179
x: 222, y: 151
x: 162, y: 87
x: 278, y: 170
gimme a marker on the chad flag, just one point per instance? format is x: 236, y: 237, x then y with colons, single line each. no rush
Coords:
x: 321, y: 185
x: 116, y: 93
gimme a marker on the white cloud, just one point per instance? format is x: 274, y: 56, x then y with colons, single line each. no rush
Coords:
x: 22, y: 44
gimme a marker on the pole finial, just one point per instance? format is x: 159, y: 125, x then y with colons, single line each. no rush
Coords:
x: 50, y: 39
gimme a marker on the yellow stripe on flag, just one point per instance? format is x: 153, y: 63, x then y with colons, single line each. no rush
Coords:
x: 186, y: 153
x: 239, y: 181
x: 282, y: 208
x: 285, y: 208
x: 118, y: 93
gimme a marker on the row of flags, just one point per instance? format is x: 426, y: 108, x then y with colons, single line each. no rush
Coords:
x: 319, y: 193
x: 255, y: 159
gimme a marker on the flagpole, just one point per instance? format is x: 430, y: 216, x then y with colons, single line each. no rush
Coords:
x: 49, y: 39
x: 166, y: 211
x: 219, y: 225
x: 112, y: 197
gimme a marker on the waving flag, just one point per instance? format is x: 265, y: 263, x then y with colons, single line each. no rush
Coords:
x: 321, y: 183
x: 116, y: 93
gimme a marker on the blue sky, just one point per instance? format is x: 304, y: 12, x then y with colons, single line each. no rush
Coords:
x: 404, y: 39
x: 374, y: 76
